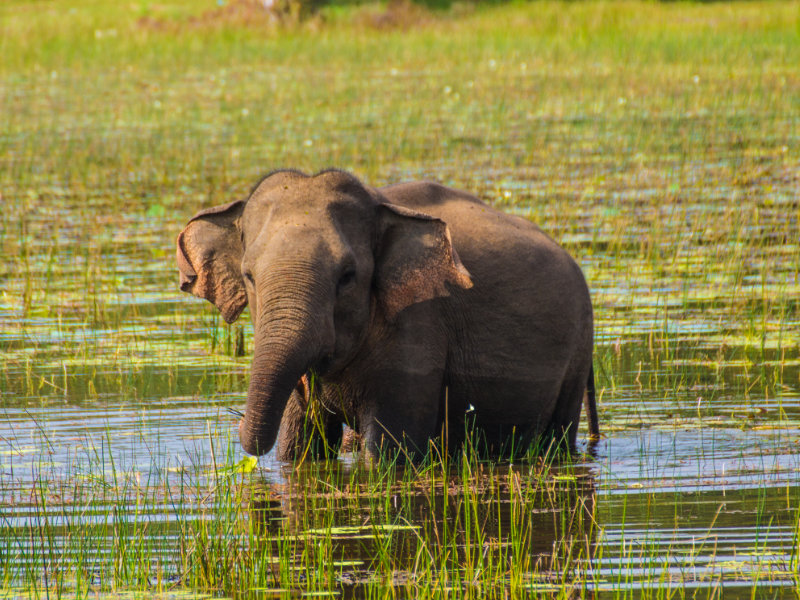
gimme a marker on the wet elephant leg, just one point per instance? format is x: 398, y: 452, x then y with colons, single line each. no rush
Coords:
x: 307, y: 431
x: 351, y: 441
x: 404, y: 414
x: 563, y: 427
x: 403, y: 378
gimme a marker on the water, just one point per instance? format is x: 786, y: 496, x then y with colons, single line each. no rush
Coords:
x: 119, y: 383
x: 114, y: 385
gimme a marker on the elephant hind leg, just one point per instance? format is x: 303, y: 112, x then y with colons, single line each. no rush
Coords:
x: 563, y: 427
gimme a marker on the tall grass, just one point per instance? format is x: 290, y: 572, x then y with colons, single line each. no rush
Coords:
x: 461, y: 526
x: 223, y: 528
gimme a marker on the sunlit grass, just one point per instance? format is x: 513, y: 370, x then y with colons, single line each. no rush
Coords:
x: 658, y: 137
x: 463, y: 526
x: 224, y: 529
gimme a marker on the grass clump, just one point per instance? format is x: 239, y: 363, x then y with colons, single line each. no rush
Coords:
x: 229, y: 530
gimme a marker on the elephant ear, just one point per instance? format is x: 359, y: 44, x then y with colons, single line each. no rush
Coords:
x: 210, y: 258
x: 414, y: 260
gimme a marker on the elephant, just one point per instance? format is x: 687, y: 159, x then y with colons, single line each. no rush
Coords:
x: 416, y: 312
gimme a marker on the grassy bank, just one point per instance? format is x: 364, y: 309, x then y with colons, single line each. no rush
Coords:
x: 100, y: 100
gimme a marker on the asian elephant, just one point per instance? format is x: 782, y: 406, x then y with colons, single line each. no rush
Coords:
x: 418, y: 310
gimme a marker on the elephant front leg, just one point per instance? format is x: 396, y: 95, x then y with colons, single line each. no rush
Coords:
x: 401, y: 408
x: 306, y: 430
x: 403, y: 415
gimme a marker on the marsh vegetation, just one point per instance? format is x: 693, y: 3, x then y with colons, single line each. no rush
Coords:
x: 657, y: 142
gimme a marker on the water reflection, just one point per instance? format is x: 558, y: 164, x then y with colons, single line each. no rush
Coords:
x: 519, y: 520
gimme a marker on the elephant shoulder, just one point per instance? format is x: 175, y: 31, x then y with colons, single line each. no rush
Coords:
x: 462, y: 211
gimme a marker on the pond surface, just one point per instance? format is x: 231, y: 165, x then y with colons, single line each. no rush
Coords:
x: 119, y: 467
x: 114, y: 395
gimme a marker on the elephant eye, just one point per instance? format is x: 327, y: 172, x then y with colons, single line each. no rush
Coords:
x: 346, y: 279
x: 249, y: 277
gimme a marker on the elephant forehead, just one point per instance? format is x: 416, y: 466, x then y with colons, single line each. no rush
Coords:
x: 327, y: 217
x: 288, y: 239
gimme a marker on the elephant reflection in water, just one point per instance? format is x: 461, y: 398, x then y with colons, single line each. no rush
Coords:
x: 538, y: 523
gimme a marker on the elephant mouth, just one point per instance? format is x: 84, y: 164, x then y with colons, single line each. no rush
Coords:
x: 332, y: 361
x: 323, y: 366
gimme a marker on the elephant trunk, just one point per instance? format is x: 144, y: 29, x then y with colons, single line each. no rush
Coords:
x: 290, y: 337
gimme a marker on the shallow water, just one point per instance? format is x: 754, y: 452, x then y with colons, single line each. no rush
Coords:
x: 114, y: 385
x: 124, y: 381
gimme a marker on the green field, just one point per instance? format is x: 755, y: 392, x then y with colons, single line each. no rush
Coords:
x: 658, y: 142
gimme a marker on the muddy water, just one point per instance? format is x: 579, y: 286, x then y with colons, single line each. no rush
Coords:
x: 111, y: 379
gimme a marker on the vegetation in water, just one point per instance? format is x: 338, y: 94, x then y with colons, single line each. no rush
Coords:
x: 657, y: 142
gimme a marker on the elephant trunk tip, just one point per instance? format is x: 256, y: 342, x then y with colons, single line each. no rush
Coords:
x: 250, y: 443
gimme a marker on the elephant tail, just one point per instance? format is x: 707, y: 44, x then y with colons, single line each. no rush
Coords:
x: 590, y: 405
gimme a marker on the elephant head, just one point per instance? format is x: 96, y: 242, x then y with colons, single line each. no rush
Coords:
x: 318, y: 259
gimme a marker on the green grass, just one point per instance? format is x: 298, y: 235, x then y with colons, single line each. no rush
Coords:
x: 657, y: 141
x: 425, y: 528
x: 469, y: 528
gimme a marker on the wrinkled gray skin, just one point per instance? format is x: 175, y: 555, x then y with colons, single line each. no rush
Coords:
x: 417, y: 308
